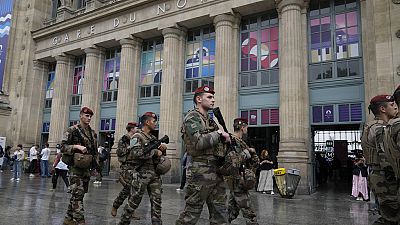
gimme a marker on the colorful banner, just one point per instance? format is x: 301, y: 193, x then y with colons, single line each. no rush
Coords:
x: 6, y: 7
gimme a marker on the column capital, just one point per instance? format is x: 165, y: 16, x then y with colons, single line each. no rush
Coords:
x: 134, y: 41
x: 63, y: 58
x: 173, y: 32
x: 94, y: 50
x: 225, y: 20
x: 39, y: 64
x: 281, y: 4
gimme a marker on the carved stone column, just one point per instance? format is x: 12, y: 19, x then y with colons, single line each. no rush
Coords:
x: 171, y: 99
x: 293, y: 111
x: 61, y: 98
x: 94, y: 70
x: 37, y: 88
x: 226, y: 67
x: 128, y: 85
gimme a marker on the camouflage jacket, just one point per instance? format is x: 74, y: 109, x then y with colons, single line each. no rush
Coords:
x: 139, y: 140
x: 200, y: 136
x: 372, y: 143
x: 125, y: 152
x: 250, y: 163
x: 76, y: 135
x: 392, y: 144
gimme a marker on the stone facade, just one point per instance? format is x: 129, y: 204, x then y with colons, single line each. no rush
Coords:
x: 37, y: 40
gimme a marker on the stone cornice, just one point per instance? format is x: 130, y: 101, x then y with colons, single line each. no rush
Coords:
x: 104, y: 11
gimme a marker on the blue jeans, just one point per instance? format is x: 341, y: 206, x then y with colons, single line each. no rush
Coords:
x: 44, y: 168
x: 17, y: 169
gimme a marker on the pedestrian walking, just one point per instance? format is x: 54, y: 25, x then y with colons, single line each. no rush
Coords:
x: 33, y: 158
x: 6, y: 159
x: 18, y: 159
x: 204, y: 141
x: 266, y: 182
x: 79, y: 148
x: 145, y: 177
x: 360, y: 173
x: 59, y: 169
x: 44, y: 161
x: 186, y: 162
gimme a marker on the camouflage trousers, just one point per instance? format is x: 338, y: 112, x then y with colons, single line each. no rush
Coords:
x: 126, y: 181
x: 144, y: 181
x: 386, y: 189
x: 204, y: 186
x: 239, y: 199
x: 79, y: 183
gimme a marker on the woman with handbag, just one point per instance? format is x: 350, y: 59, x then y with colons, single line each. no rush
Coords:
x: 266, y: 182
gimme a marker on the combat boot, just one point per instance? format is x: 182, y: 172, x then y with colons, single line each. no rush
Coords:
x: 113, y: 211
x: 81, y: 222
x: 68, y: 221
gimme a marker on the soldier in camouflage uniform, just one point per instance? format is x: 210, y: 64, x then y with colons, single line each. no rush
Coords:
x: 243, y: 157
x: 125, y: 157
x: 204, y: 142
x: 144, y: 177
x: 382, y: 181
x: 392, y: 149
x: 79, y: 139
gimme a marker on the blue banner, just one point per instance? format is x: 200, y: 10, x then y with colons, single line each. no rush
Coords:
x: 6, y: 7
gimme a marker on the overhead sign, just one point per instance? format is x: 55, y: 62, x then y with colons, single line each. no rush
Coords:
x: 329, y: 143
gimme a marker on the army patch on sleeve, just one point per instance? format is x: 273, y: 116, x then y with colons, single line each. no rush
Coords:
x: 133, y: 142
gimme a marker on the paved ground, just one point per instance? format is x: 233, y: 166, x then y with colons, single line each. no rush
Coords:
x: 30, y: 202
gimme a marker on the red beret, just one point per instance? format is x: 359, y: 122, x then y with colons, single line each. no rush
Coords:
x: 150, y: 114
x: 204, y: 89
x: 134, y: 124
x: 382, y: 98
x: 240, y: 121
x: 86, y: 110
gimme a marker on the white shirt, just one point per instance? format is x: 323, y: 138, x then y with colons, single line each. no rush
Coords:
x: 32, y: 153
x: 45, y: 153
x: 20, y: 154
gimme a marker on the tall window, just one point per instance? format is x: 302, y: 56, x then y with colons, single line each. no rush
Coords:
x: 334, y: 39
x: 50, y: 86
x: 151, y: 69
x: 79, y: 76
x: 111, y: 75
x: 107, y: 124
x: 46, y: 127
x: 259, y: 50
x: 200, y: 58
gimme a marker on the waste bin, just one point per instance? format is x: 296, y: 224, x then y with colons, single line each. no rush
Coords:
x: 287, y: 181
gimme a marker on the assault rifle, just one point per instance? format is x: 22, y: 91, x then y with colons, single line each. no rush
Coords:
x: 154, y: 144
x: 231, y: 146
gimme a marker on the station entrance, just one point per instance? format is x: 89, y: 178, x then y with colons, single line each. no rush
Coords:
x: 334, y: 149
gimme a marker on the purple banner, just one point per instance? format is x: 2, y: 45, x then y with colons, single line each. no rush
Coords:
x: 6, y: 7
